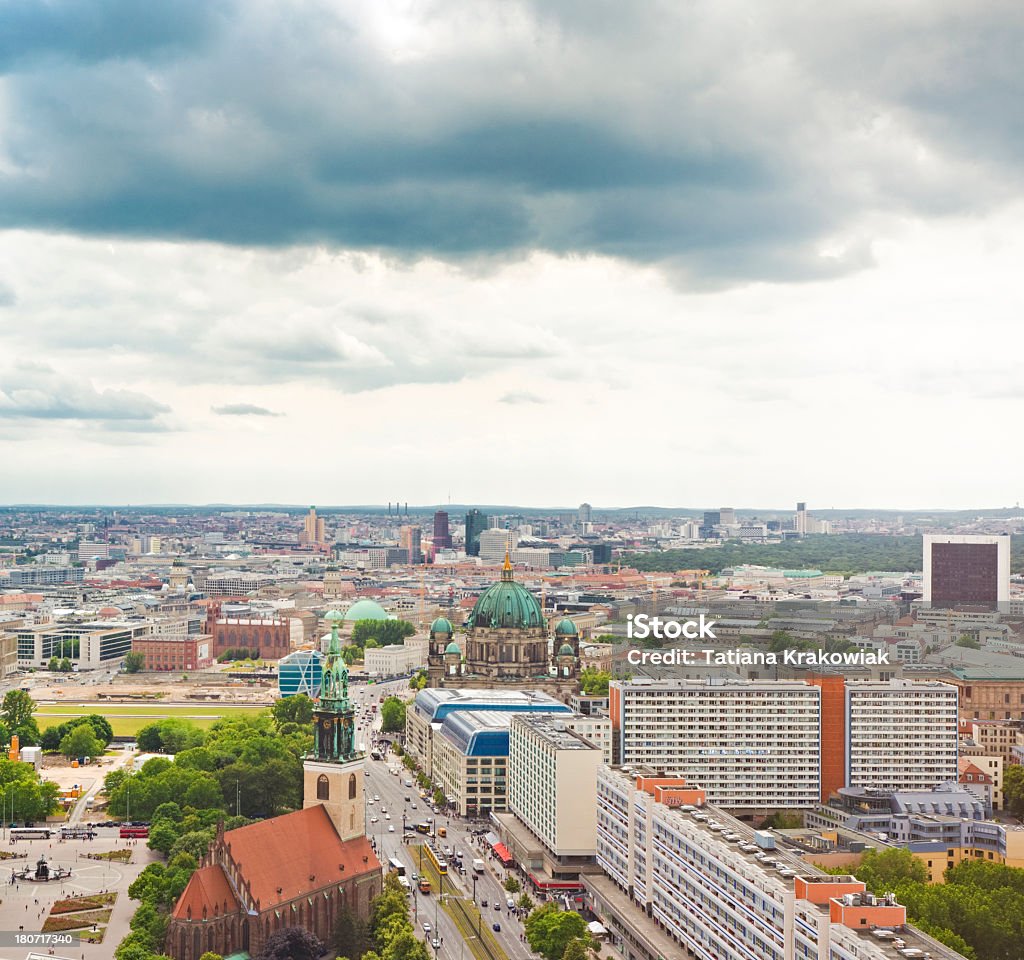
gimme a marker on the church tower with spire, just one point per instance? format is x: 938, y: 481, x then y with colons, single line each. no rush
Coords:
x: 333, y: 773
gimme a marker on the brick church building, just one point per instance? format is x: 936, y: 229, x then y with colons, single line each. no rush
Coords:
x: 296, y: 870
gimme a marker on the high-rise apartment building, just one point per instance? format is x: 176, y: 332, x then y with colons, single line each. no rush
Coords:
x: 727, y: 516
x: 476, y: 523
x: 442, y: 539
x: 585, y: 514
x: 787, y: 743
x: 683, y: 879
x: 966, y: 569
x: 409, y: 542
x: 901, y: 734
x: 746, y: 743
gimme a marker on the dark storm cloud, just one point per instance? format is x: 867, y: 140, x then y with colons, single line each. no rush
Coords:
x: 93, y: 31
x: 724, y: 145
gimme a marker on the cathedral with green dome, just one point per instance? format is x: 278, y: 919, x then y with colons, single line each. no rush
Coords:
x: 507, y: 645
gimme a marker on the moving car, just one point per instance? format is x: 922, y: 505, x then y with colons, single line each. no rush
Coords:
x: 496, y: 927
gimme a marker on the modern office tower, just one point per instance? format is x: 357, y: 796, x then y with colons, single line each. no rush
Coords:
x: 966, y: 569
x: 495, y: 543
x: 727, y: 516
x: 675, y: 886
x: 712, y: 520
x: 476, y: 523
x: 300, y: 672
x: 585, y: 514
x: 747, y: 743
x: 313, y: 529
x: 800, y: 521
x: 552, y: 783
x: 442, y: 538
x: 902, y: 734
x: 409, y: 542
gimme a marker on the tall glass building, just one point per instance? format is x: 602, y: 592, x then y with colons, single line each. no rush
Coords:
x: 300, y: 672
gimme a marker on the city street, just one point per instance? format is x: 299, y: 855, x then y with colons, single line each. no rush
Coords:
x: 398, y: 800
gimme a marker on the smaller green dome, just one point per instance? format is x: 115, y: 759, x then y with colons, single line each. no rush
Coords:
x: 442, y: 625
x: 566, y: 628
x: 453, y: 647
x: 334, y: 615
x: 565, y: 651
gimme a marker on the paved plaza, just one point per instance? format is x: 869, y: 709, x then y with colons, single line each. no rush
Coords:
x: 24, y: 905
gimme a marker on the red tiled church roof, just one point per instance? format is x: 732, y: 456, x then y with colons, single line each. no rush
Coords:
x: 208, y: 887
x: 296, y: 853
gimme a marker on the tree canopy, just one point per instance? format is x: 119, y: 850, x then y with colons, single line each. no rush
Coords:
x: 291, y: 943
x: 81, y: 741
x: 384, y: 632
x: 100, y: 725
x: 241, y: 761
x: 595, y: 682
x: 17, y: 713
x: 134, y: 661
x: 847, y: 554
x: 25, y: 796
x: 392, y: 715
x: 297, y: 708
x: 550, y: 930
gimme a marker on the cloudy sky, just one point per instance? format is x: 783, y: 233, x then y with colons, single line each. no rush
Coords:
x: 691, y: 253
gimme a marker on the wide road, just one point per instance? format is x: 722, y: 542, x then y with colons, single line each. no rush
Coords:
x: 398, y: 800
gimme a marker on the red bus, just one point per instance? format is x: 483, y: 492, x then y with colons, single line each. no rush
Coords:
x: 134, y: 832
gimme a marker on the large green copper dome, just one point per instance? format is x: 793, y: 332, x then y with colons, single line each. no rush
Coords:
x: 506, y: 604
x: 566, y: 628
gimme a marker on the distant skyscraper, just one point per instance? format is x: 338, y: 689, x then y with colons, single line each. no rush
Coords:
x: 313, y: 529
x: 712, y: 518
x: 442, y: 538
x: 800, y: 521
x: 476, y: 523
x: 727, y: 516
x: 410, y: 544
x: 495, y: 543
x: 966, y: 569
x: 585, y: 513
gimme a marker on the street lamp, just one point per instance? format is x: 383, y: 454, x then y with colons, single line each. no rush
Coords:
x: 462, y: 949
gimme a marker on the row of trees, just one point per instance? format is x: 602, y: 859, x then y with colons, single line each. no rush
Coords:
x: 390, y: 934
x: 239, y: 653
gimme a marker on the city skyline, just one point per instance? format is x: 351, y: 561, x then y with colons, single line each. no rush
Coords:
x: 664, y: 249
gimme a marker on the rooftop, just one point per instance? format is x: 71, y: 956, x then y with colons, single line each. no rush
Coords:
x: 553, y: 730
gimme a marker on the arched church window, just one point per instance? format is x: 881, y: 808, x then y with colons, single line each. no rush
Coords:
x: 323, y: 787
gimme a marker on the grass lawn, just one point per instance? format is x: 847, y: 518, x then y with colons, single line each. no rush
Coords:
x: 127, y: 719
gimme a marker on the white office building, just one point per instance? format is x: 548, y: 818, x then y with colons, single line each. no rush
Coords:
x: 552, y: 782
